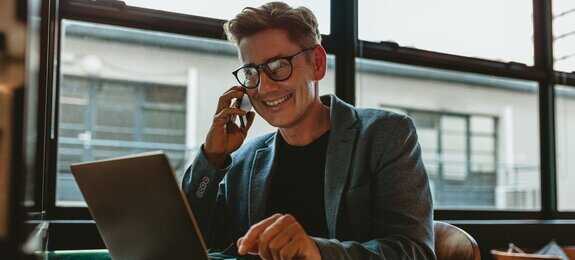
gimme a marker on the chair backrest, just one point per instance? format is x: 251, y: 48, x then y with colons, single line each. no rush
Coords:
x: 502, y: 255
x: 570, y: 251
x: 452, y: 242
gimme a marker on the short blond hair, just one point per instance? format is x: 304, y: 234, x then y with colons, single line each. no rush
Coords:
x: 300, y: 23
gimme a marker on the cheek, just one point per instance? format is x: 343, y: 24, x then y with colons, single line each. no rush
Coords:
x: 251, y: 93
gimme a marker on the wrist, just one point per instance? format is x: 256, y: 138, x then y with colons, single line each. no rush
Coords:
x: 216, y: 160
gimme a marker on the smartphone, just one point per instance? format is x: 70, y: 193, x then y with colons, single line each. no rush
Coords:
x: 245, y: 105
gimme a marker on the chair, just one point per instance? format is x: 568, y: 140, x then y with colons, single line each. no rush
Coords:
x: 452, y: 242
x: 570, y: 251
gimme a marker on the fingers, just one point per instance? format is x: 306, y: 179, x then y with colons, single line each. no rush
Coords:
x: 283, y: 245
x: 270, y: 240
x: 278, y: 237
x: 251, y: 115
x: 223, y: 117
x: 225, y: 99
x: 251, y: 237
x: 289, y: 251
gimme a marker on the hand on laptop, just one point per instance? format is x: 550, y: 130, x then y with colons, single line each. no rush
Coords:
x: 278, y: 237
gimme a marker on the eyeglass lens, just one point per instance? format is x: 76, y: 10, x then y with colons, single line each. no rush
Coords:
x: 278, y: 70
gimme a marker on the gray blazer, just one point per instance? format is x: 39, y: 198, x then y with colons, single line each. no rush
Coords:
x: 377, y: 199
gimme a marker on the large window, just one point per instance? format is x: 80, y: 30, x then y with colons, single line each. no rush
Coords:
x: 564, y: 34
x: 492, y: 29
x: 565, y: 105
x: 454, y: 71
x: 125, y: 91
x: 472, y: 130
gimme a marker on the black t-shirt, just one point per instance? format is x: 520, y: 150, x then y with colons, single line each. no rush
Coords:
x: 297, y: 185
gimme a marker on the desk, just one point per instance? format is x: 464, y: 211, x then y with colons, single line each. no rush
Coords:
x: 102, y: 254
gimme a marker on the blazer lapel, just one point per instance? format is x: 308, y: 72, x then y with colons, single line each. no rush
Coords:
x: 260, y: 180
x: 338, y: 159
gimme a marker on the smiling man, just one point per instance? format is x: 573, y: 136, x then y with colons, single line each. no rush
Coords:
x: 334, y: 182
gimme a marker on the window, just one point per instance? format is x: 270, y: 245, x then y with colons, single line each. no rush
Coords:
x: 106, y: 118
x: 478, y: 132
x: 564, y: 35
x: 223, y: 9
x: 472, y: 130
x: 497, y: 30
x: 125, y: 91
x: 565, y: 135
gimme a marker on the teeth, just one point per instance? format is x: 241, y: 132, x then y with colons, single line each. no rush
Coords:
x: 277, y: 102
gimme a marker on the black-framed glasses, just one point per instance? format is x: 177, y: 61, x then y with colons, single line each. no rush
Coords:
x: 278, y: 69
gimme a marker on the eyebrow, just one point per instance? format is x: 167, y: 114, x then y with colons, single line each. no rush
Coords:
x: 251, y: 64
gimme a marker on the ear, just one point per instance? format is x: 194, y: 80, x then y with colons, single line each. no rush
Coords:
x: 319, y: 62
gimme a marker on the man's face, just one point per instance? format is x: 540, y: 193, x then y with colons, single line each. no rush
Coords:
x: 282, y: 104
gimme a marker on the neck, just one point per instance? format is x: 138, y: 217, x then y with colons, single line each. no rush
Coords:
x: 310, y: 127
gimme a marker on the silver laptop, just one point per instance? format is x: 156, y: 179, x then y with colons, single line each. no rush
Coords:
x: 139, y: 209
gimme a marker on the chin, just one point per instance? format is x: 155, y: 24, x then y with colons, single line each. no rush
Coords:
x: 276, y: 123
x: 279, y: 122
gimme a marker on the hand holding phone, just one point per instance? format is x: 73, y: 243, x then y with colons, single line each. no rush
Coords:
x: 226, y: 135
x: 245, y: 105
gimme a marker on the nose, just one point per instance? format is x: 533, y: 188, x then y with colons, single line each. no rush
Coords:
x: 267, y: 85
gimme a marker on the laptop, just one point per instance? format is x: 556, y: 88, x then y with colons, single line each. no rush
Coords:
x: 139, y: 209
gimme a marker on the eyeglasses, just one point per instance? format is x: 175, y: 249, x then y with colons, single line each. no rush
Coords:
x: 278, y: 69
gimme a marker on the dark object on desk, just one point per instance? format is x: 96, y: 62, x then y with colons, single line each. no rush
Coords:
x: 502, y: 255
x: 550, y: 251
x: 452, y: 242
x: 552, y: 248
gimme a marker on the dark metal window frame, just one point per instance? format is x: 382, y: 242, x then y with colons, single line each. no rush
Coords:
x: 343, y: 42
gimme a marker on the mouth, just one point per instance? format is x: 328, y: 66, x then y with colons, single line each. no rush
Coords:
x: 274, y: 103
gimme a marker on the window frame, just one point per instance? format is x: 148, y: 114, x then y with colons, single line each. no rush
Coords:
x: 344, y: 44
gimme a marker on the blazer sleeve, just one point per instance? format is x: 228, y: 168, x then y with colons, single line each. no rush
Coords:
x: 204, y: 187
x: 402, y: 210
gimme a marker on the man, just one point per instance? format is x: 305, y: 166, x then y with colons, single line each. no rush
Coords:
x: 334, y: 182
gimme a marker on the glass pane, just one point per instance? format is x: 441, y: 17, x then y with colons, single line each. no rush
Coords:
x: 484, y: 144
x: 491, y: 29
x: 565, y: 129
x: 482, y: 124
x: 453, y: 124
x: 454, y: 143
x: 226, y: 10
x: 564, y: 35
x: 454, y: 166
x: 429, y: 137
x: 482, y: 162
x: 125, y: 91
x: 488, y: 166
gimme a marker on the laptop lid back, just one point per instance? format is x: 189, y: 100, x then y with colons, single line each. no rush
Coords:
x: 139, y: 209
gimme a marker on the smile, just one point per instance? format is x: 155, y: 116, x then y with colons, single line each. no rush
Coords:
x: 277, y: 102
